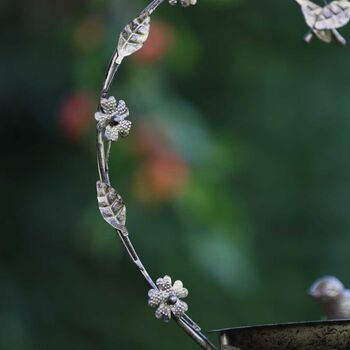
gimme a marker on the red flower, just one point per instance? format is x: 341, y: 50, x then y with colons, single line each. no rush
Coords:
x: 76, y: 114
x: 157, y: 45
x: 167, y: 175
x: 164, y: 174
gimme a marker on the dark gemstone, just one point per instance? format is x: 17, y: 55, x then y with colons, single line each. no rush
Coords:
x: 172, y: 300
x: 114, y: 122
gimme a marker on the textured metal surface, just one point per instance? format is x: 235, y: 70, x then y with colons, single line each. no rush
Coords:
x: 111, y: 119
x: 167, y: 299
x: 111, y: 206
x: 318, y: 335
x: 334, y: 15
x: 324, y: 21
x: 133, y: 36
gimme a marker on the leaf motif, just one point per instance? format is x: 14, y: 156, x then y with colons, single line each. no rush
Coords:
x: 311, y: 12
x: 332, y: 16
x: 133, y: 36
x: 335, y: 15
x: 111, y: 206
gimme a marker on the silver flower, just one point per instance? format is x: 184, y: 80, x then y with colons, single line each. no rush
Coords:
x: 112, y: 119
x: 167, y: 299
x: 184, y: 3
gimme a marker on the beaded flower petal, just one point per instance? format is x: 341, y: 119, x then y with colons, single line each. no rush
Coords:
x: 112, y: 119
x: 167, y: 299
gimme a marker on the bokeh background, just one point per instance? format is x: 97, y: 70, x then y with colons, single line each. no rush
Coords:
x: 236, y: 176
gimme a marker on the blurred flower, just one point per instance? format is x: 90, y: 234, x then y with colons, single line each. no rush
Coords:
x: 162, y: 178
x: 150, y: 140
x: 75, y: 114
x: 159, y: 42
x: 167, y: 175
x: 89, y: 32
x: 167, y: 299
x: 164, y: 174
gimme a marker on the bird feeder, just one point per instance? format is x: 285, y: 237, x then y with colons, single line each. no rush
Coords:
x: 316, y: 335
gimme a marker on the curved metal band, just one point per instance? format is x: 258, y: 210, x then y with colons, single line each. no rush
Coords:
x: 103, y: 152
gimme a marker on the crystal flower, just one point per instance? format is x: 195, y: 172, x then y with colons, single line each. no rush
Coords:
x: 112, y: 119
x: 167, y: 299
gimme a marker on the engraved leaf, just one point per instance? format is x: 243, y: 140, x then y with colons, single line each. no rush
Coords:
x: 311, y: 12
x: 133, y: 36
x: 111, y: 206
x: 332, y: 16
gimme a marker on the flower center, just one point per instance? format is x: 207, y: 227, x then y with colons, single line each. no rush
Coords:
x: 172, y: 299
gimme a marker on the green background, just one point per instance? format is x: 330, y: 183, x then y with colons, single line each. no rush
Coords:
x: 236, y: 177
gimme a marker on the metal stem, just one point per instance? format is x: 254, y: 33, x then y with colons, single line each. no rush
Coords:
x: 135, y: 259
x: 101, y: 159
x: 198, y: 337
x: 108, y: 153
x: 152, y: 7
x: 111, y: 71
x: 341, y: 40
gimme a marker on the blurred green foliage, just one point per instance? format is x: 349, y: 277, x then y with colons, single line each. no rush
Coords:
x: 236, y: 179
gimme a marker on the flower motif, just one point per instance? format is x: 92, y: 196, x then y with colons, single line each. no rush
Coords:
x: 167, y: 299
x: 112, y: 119
x: 184, y: 3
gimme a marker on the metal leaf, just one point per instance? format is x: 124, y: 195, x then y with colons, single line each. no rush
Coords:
x: 311, y: 11
x: 111, y: 206
x: 332, y: 16
x: 133, y: 36
x: 324, y: 21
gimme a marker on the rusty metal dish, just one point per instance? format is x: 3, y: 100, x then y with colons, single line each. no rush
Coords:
x: 314, y: 335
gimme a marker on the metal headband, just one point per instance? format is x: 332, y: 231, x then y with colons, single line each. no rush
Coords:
x: 112, y: 123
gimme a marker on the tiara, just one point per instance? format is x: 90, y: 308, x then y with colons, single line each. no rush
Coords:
x: 166, y: 295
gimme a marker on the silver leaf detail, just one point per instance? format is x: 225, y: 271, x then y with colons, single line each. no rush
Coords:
x: 324, y: 21
x: 111, y: 206
x: 133, y: 36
